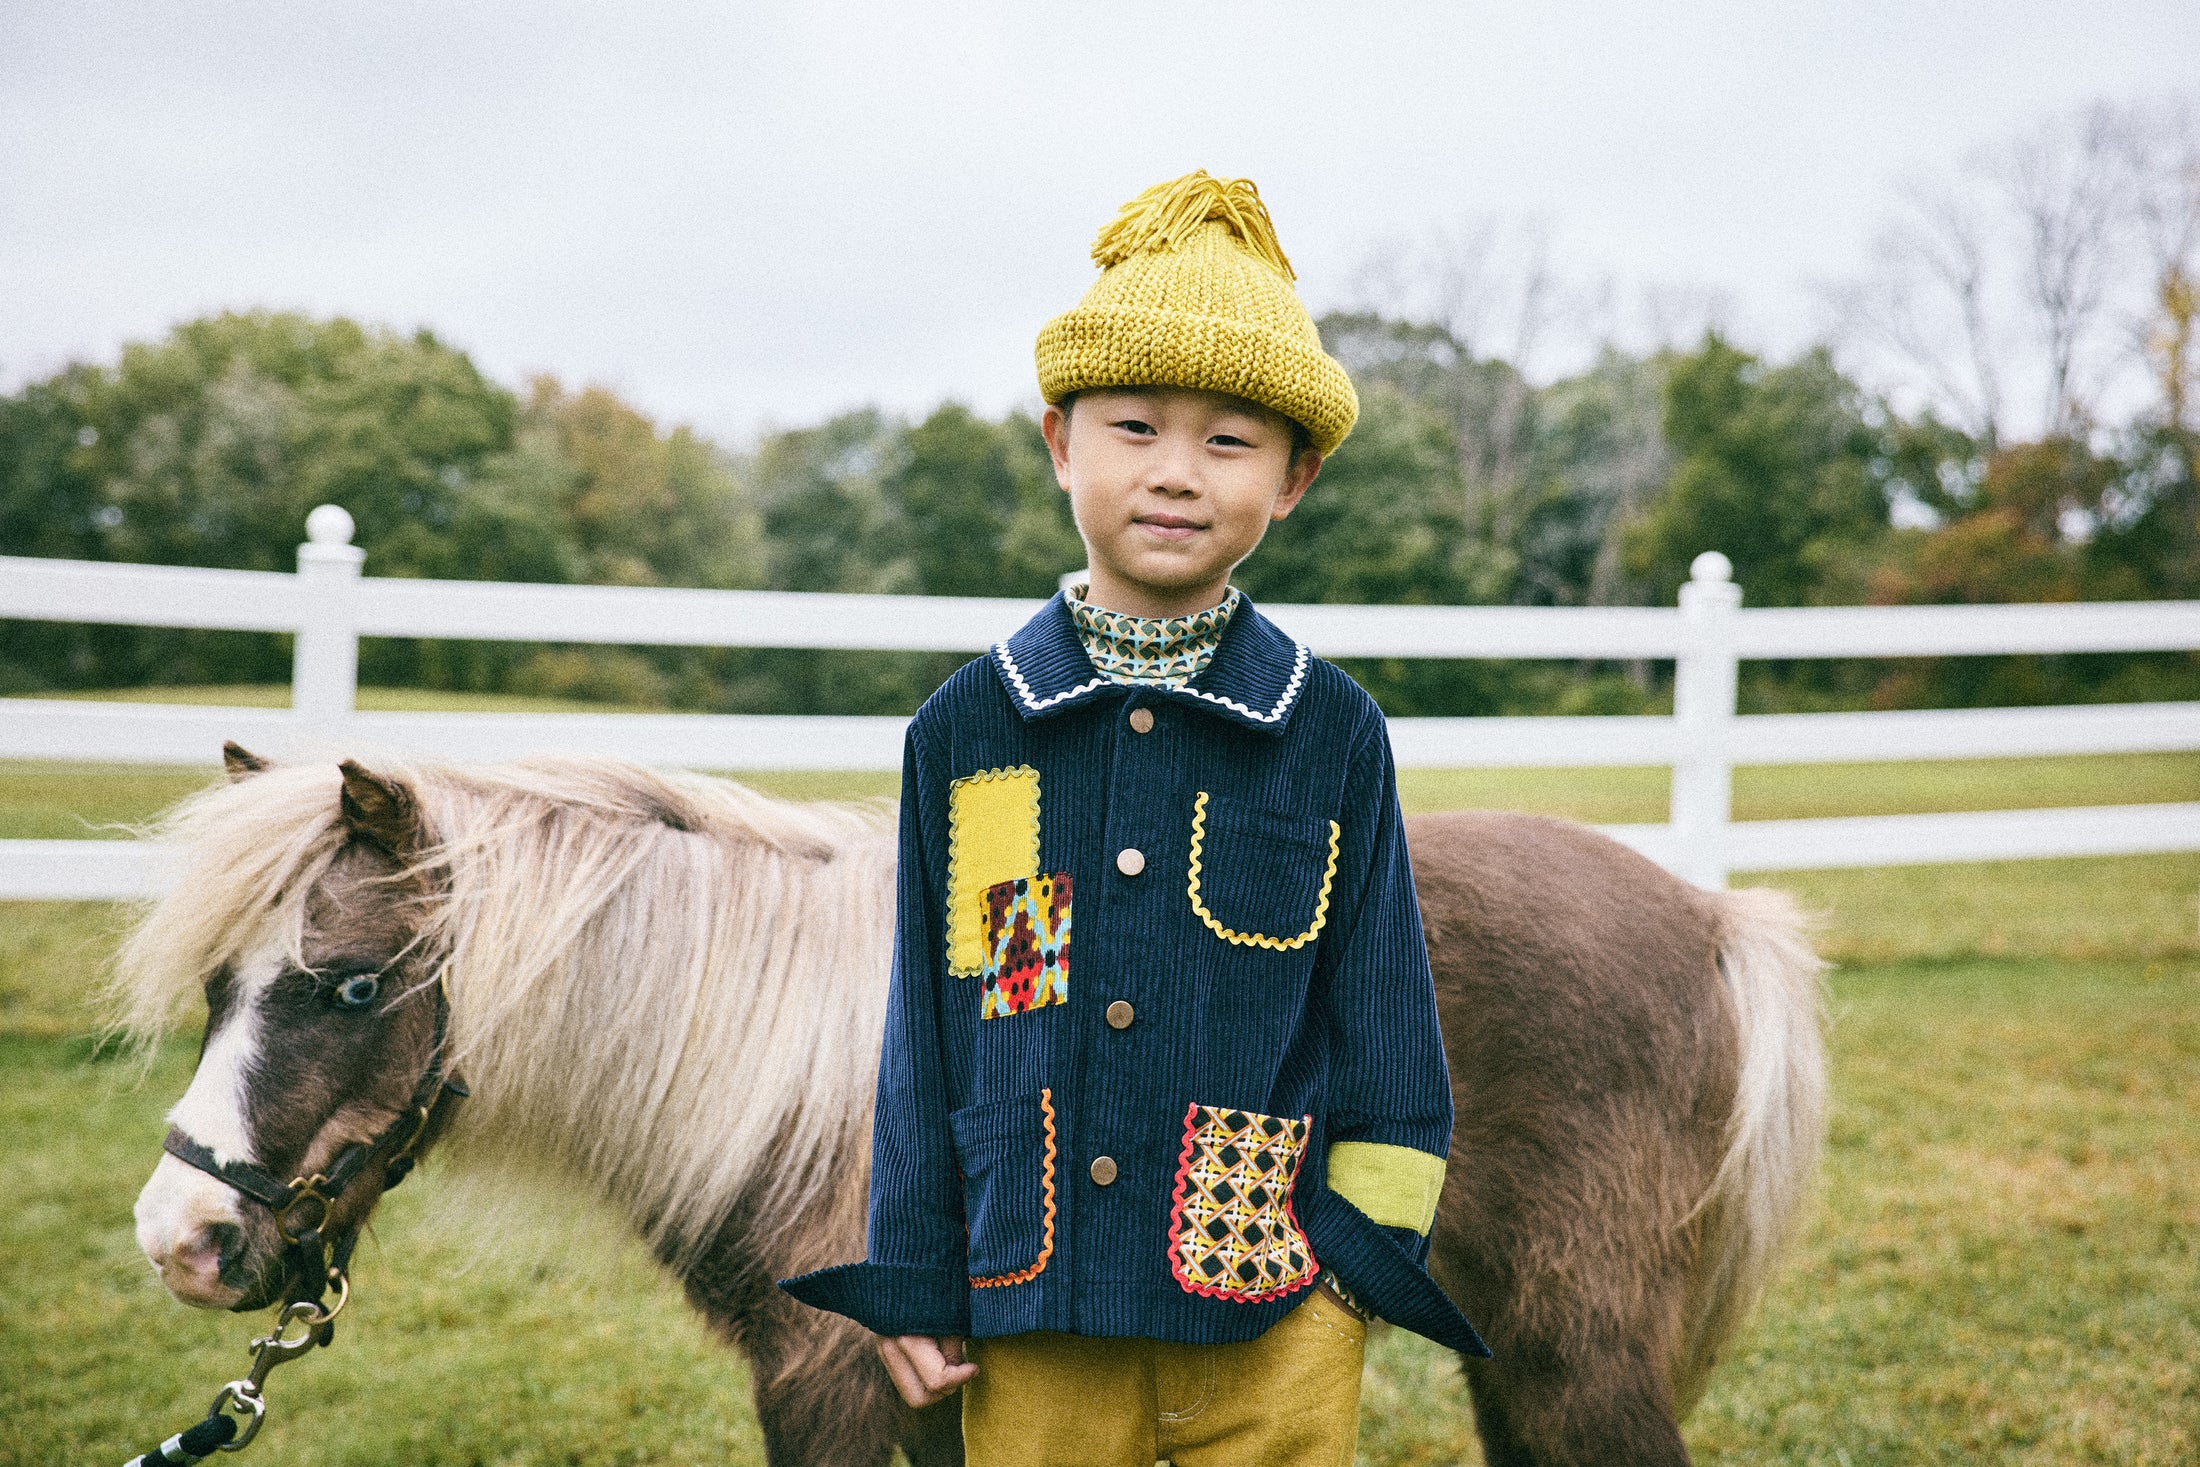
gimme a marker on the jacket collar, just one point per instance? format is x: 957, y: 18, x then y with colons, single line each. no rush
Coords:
x: 1254, y: 680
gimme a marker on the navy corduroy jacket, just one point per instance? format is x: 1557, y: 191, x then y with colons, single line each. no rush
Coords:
x: 1233, y: 1077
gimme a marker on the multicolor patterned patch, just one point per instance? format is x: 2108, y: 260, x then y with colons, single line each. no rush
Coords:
x: 1233, y: 1234
x: 1170, y: 651
x: 1026, y: 944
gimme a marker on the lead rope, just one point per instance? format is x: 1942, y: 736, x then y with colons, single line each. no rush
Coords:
x: 240, y: 1406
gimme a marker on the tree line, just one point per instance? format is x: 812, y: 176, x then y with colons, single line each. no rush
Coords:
x: 1466, y: 481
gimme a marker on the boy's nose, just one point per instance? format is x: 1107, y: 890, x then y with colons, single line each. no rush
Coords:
x: 1174, y: 476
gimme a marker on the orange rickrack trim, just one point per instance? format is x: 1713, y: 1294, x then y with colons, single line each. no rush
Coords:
x: 1046, y: 1245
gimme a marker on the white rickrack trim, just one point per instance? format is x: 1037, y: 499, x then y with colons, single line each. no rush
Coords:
x: 1023, y: 689
x: 1036, y: 705
x: 1283, y: 701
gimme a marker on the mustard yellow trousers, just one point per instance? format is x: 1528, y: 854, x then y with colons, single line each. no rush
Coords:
x: 1291, y: 1396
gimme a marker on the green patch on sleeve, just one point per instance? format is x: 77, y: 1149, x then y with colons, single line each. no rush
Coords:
x: 1396, y: 1186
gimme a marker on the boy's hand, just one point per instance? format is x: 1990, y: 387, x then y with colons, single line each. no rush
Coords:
x: 925, y: 1368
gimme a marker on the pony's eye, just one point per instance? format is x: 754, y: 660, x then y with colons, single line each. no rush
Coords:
x: 358, y: 991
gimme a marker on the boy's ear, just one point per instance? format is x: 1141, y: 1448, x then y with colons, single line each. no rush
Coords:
x: 1296, y: 481
x: 1054, y: 425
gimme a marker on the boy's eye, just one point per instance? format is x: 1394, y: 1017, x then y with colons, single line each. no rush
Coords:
x: 1229, y: 440
x: 1135, y: 425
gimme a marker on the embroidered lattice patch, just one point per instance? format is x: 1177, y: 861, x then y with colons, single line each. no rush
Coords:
x: 1233, y: 1234
x: 992, y: 836
x: 1026, y: 944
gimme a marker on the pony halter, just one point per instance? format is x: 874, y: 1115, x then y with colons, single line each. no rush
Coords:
x: 303, y: 1204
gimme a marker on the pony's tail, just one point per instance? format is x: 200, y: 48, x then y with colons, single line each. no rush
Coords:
x: 1777, y: 1126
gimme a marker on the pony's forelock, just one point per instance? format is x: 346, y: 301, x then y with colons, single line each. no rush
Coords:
x: 250, y: 853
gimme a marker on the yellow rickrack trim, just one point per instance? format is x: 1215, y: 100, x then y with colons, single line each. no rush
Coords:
x: 1256, y: 939
x: 994, y: 842
x: 1046, y: 1243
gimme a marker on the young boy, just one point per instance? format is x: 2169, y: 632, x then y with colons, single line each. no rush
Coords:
x: 1154, y: 1189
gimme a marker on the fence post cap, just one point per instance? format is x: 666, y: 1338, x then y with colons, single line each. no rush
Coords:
x: 330, y: 524
x: 1709, y: 566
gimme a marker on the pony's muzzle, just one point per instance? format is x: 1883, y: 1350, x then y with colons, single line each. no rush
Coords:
x: 195, y: 1236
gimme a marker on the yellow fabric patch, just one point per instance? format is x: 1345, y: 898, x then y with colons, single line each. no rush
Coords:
x: 992, y: 836
x: 1396, y: 1186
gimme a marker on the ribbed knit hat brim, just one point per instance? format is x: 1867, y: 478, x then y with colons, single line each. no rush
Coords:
x: 1135, y: 346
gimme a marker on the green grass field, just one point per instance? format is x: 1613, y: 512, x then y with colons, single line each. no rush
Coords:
x: 2002, y: 1263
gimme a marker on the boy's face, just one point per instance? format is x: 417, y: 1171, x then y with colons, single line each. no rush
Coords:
x: 1171, y: 488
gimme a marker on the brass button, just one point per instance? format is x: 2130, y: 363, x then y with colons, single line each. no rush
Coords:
x: 1141, y: 720
x: 1120, y: 1015
x: 1130, y: 860
x: 1103, y: 1170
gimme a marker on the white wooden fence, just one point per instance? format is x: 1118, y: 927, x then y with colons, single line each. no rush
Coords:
x: 329, y: 606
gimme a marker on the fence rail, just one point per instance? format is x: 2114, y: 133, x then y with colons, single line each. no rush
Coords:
x: 329, y: 606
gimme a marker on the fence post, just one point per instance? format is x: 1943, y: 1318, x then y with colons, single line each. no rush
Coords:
x: 324, y: 675
x: 1704, y: 677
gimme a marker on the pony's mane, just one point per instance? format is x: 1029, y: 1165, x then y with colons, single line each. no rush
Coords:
x: 653, y: 977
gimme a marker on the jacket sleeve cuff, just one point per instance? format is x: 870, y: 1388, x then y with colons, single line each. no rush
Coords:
x: 1414, y: 1245
x: 1384, y: 1275
x: 890, y: 1298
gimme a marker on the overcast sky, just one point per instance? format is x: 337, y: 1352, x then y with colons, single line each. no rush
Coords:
x: 746, y: 215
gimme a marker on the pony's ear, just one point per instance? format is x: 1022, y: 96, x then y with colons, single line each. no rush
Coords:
x: 239, y: 762
x: 380, y: 810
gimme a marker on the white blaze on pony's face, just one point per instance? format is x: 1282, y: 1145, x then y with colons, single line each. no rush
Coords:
x: 316, y: 1038
x: 191, y: 1225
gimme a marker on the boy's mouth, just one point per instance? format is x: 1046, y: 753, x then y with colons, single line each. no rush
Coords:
x: 1168, y: 526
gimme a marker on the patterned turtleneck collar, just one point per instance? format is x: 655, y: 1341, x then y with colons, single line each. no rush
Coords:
x: 1169, y: 651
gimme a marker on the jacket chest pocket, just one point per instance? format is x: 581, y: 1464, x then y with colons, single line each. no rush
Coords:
x: 1261, y: 878
x: 1006, y: 1152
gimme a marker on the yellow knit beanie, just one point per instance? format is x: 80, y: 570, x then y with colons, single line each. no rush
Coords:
x: 1194, y: 291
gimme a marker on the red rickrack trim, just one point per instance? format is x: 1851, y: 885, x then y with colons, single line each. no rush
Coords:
x: 1046, y: 1245
x: 1290, y: 1212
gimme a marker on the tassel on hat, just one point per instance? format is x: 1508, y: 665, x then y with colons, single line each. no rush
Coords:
x: 1166, y: 214
x: 1196, y: 291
